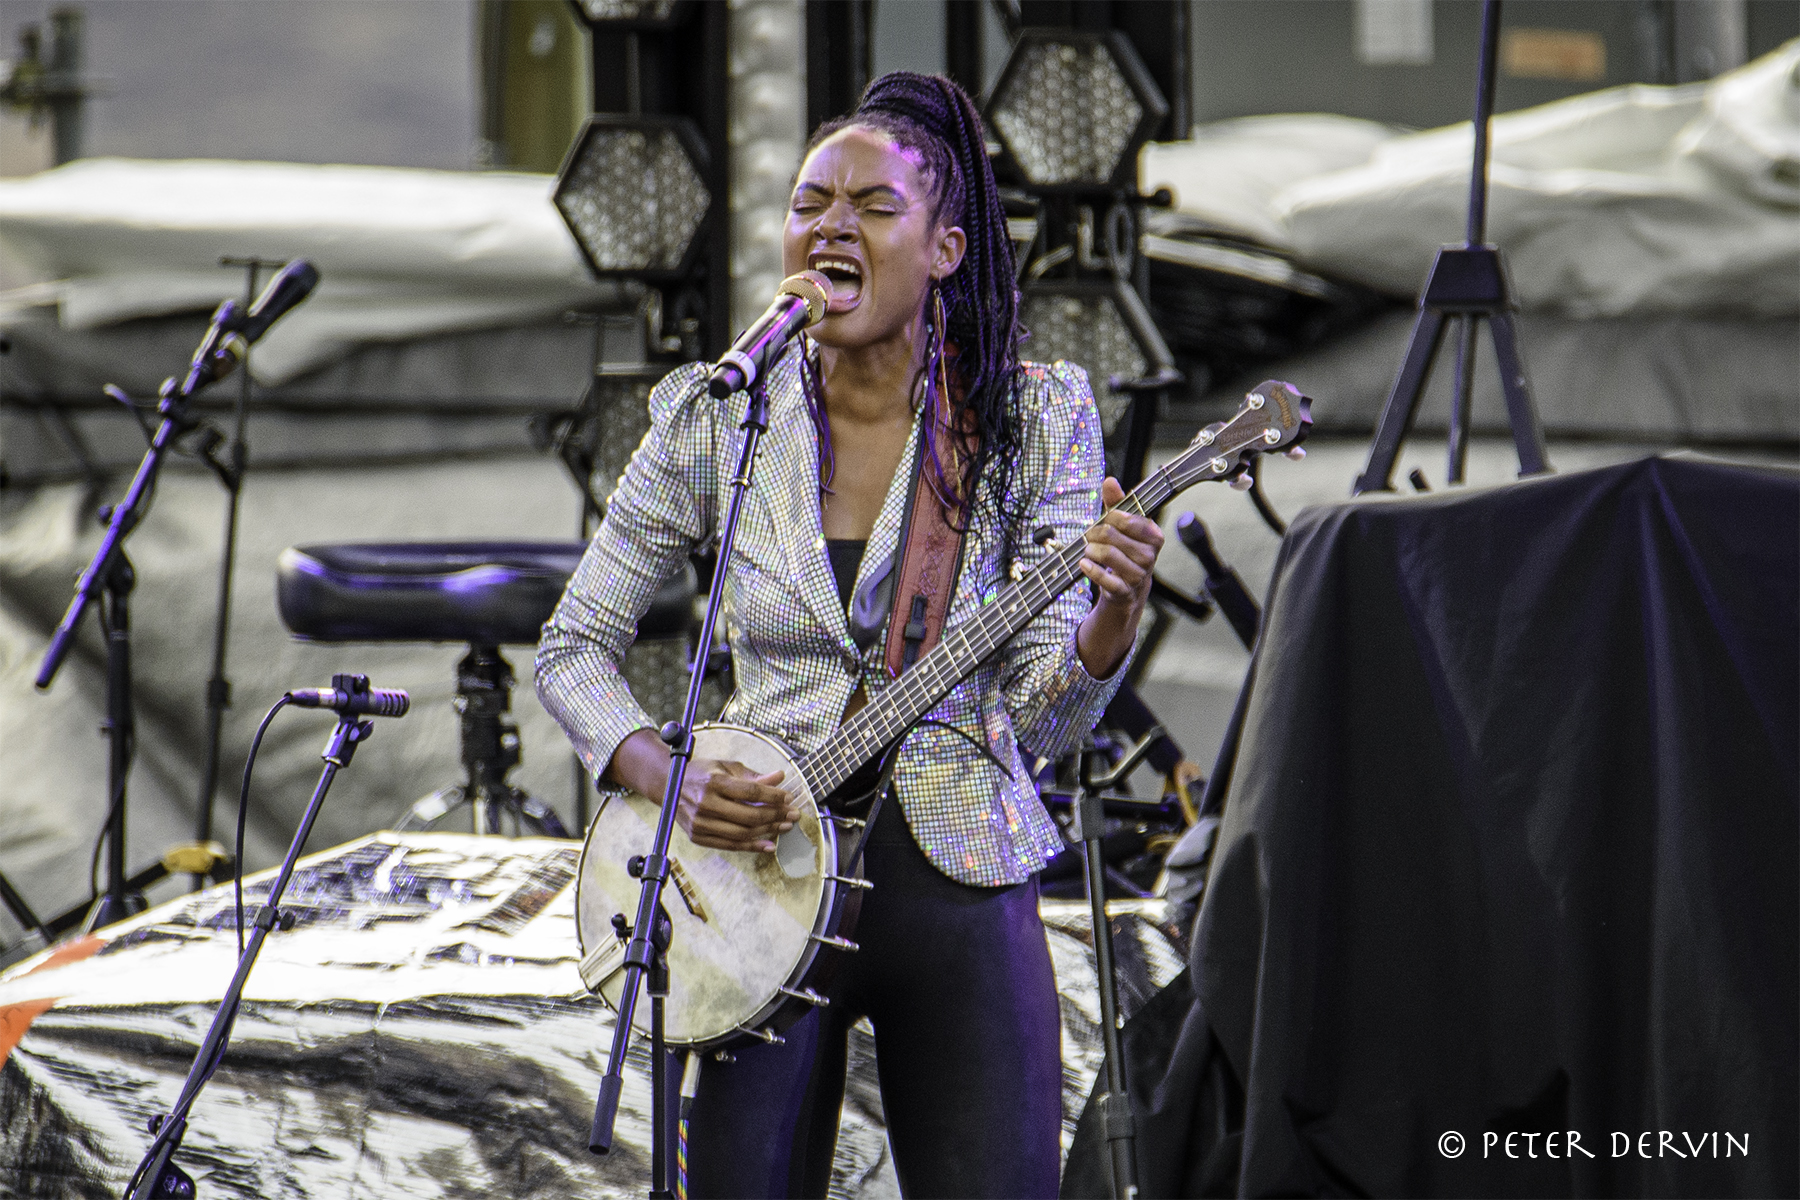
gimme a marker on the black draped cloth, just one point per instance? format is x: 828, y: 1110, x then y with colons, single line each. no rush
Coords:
x: 1510, y: 850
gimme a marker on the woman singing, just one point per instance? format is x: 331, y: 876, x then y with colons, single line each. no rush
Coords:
x: 897, y: 206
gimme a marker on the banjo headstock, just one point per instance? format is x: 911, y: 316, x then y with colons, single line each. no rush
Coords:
x: 1274, y: 416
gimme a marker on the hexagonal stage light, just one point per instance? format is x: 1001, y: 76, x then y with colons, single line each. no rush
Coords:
x: 632, y: 191
x: 1092, y: 326
x: 1072, y: 108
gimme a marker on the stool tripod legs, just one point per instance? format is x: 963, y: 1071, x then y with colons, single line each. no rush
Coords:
x: 490, y: 750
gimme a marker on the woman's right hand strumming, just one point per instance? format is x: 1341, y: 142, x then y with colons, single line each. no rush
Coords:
x: 723, y: 805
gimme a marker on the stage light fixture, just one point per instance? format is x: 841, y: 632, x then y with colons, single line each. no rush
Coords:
x: 636, y: 14
x: 1090, y: 324
x: 1072, y: 108
x: 632, y: 190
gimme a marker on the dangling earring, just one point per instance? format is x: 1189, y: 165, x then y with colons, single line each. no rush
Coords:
x: 941, y: 418
x: 940, y: 323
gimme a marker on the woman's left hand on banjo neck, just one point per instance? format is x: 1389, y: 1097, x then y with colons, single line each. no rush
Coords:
x: 863, y: 213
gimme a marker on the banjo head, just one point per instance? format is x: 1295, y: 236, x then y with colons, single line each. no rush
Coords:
x: 742, y: 922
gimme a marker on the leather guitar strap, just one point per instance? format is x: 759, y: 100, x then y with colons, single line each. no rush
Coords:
x: 925, y: 576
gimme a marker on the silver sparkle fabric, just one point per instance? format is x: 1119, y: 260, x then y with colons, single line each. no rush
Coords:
x: 422, y: 1033
x: 976, y: 815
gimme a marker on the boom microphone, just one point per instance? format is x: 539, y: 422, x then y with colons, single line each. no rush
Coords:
x: 375, y: 702
x: 292, y: 284
x: 800, y: 301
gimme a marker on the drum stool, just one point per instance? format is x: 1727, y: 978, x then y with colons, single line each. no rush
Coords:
x: 486, y: 594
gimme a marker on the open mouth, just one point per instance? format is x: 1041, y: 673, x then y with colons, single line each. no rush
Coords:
x: 846, y: 278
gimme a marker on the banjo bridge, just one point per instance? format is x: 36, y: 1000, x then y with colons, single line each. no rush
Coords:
x: 690, y: 892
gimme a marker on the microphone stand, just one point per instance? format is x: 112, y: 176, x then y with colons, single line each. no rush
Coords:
x: 1468, y: 283
x: 231, y: 474
x: 157, y: 1176
x: 1089, y: 828
x: 111, y: 572
x: 648, y: 937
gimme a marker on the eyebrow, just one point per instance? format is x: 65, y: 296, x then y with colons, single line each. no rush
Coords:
x: 859, y: 194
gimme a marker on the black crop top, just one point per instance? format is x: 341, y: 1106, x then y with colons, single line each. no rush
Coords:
x: 846, y: 556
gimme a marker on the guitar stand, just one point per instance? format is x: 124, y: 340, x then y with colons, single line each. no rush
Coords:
x: 1089, y: 827
x: 642, y: 954
x: 1467, y: 283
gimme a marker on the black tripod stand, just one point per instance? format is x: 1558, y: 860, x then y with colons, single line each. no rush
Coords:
x: 490, y: 750
x: 1467, y: 283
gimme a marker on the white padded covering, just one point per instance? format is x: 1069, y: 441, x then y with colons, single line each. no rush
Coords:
x: 402, y: 252
x: 1632, y: 200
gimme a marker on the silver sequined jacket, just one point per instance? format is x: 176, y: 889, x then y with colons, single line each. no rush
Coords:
x: 978, y: 818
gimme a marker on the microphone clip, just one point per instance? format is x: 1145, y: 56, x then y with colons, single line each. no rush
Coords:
x: 351, y: 695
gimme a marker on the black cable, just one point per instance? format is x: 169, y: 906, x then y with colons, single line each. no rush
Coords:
x: 237, y: 880
x: 112, y: 811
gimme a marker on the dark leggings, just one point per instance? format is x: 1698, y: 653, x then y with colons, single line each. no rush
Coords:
x: 957, y: 982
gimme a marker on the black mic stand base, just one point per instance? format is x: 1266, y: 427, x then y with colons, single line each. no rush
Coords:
x: 1467, y: 282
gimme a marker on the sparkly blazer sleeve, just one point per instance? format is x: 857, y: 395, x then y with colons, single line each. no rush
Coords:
x: 661, y: 511
x: 1050, y: 695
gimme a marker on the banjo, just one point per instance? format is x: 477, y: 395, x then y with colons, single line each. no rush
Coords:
x: 755, y: 935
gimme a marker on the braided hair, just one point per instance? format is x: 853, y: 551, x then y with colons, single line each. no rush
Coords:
x: 934, y: 118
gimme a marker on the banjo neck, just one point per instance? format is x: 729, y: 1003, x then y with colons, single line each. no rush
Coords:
x: 1273, y: 416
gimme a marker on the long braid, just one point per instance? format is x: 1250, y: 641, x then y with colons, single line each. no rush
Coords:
x: 933, y: 117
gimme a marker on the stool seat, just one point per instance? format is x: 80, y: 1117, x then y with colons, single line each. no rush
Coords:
x: 484, y: 593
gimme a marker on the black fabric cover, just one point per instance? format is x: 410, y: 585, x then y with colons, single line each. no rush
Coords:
x: 1510, y: 846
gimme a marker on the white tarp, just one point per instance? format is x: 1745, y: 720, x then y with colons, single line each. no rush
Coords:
x: 1631, y: 200
x: 1226, y: 177
x: 403, y: 253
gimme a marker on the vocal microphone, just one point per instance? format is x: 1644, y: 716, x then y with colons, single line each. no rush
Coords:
x: 800, y: 302
x: 1224, y: 585
x: 352, y: 700
x: 292, y: 284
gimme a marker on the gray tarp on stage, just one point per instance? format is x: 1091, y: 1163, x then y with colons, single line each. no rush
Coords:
x: 452, y: 394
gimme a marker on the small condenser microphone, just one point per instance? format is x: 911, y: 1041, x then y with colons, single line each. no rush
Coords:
x: 351, y: 695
